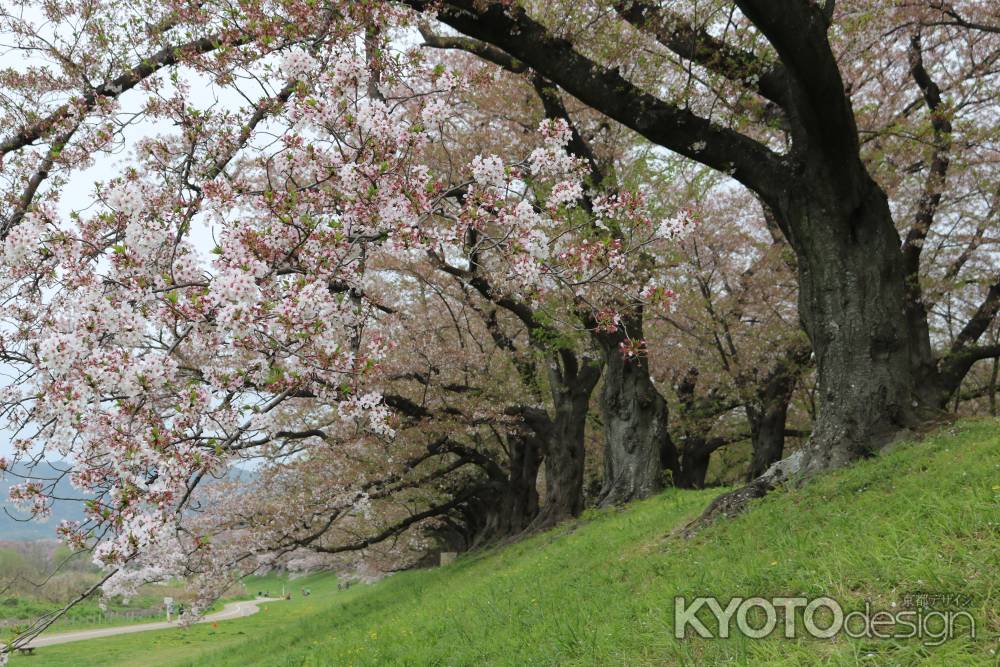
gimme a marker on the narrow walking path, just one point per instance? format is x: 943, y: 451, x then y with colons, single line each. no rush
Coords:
x: 228, y: 612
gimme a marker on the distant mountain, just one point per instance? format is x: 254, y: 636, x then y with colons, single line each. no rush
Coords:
x: 13, y: 523
x: 14, y: 527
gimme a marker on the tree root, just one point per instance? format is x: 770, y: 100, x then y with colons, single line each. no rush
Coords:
x: 735, y: 502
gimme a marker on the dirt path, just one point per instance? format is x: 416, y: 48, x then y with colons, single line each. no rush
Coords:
x: 228, y: 612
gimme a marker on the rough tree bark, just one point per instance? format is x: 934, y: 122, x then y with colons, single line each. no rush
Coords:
x: 694, y: 459
x: 572, y: 383
x: 767, y: 435
x: 520, y: 499
x: 505, y: 503
x: 695, y: 418
x: 636, y: 441
x: 993, y: 386
x: 831, y: 211
x: 768, y: 412
x: 505, y: 506
x: 851, y: 303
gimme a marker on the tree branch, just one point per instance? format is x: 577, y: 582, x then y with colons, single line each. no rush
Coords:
x: 698, y: 45
x: 980, y: 321
x: 165, y: 57
x: 398, y: 527
x: 474, y: 46
x: 513, y: 31
x: 797, y: 30
x: 930, y: 198
x: 958, y: 20
x: 24, y: 203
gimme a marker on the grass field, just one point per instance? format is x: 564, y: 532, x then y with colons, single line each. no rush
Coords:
x: 15, y: 610
x: 600, y: 591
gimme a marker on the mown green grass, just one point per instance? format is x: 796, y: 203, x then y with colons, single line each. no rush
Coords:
x: 925, y: 517
x: 88, y: 615
x: 169, y: 647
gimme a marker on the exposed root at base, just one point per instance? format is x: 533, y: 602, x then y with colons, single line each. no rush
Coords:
x: 735, y: 502
x: 727, y: 505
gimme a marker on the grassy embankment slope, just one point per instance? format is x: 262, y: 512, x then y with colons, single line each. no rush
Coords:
x: 925, y: 517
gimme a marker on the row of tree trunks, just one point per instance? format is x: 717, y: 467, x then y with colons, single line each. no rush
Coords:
x: 638, y: 445
x: 507, y: 504
x: 852, y: 309
x: 876, y: 375
x: 553, y: 442
x: 852, y: 295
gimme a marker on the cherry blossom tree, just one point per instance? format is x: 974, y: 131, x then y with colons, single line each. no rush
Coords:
x: 150, y: 365
x: 776, y: 95
x: 306, y: 251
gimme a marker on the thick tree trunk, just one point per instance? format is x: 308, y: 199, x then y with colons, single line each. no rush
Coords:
x: 520, y: 501
x: 669, y: 458
x: 695, y: 419
x: 572, y: 386
x: 993, y: 386
x: 694, y: 459
x: 509, y: 503
x: 853, y: 307
x: 506, y: 502
x: 768, y: 413
x: 851, y: 302
x: 484, y: 519
x: 636, y: 442
x: 767, y: 435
